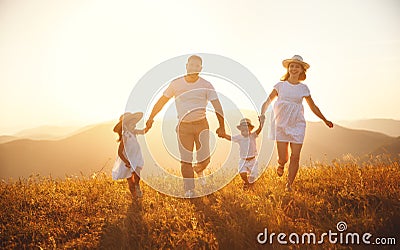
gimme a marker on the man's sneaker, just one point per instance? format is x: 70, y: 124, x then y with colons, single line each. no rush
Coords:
x: 189, y: 193
x: 139, y: 193
x: 202, y: 179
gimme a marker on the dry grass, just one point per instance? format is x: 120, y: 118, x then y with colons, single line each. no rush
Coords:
x: 99, y: 213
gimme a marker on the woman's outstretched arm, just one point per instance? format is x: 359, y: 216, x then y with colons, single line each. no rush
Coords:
x: 267, y: 102
x: 317, y: 112
x: 261, y: 119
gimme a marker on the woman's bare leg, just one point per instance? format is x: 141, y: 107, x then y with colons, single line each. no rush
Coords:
x: 283, y: 152
x: 294, y: 162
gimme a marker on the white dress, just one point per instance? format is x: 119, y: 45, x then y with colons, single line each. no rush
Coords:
x: 288, y: 123
x: 133, y: 153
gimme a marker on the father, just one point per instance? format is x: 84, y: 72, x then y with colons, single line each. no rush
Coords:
x: 192, y: 94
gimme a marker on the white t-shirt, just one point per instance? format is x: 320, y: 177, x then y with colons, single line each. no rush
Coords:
x: 247, y: 145
x: 191, y: 98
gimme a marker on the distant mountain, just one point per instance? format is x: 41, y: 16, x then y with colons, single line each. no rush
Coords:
x: 387, y: 126
x: 84, y: 152
x: 95, y: 147
x: 322, y: 143
x: 392, y: 149
x: 47, y: 132
x: 7, y: 138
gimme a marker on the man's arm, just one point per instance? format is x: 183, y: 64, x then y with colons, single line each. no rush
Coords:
x: 156, y: 109
x: 220, y: 116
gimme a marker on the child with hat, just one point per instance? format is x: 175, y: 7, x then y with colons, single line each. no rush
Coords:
x: 130, y: 161
x: 248, y: 164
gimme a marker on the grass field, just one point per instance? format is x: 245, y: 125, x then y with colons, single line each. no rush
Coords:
x: 97, y: 212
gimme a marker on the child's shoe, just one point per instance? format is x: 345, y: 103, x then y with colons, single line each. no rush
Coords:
x: 189, y: 193
x: 139, y: 193
x: 132, y: 190
x: 288, y: 188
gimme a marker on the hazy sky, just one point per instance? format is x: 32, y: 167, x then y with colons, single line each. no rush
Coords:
x: 75, y: 62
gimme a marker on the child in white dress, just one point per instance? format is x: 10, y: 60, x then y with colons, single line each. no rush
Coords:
x: 248, y: 164
x: 288, y: 123
x: 129, y: 161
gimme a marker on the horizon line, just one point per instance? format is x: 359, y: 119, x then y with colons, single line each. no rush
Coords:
x: 76, y: 127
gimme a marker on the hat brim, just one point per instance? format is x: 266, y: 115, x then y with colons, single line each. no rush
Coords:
x: 286, y: 63
x: 245, y: 126
x: 132, y: 118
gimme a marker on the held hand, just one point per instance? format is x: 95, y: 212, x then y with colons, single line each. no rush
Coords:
x: 261, y: 119
x: 128, y: 165
x: 217, y: 132
x: 329, y: 124
x: 221, y: 132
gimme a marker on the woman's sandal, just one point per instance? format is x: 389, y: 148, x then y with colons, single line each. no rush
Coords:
x: 279, y: 170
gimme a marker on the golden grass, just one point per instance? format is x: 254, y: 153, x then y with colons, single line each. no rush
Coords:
x: 99, y: 213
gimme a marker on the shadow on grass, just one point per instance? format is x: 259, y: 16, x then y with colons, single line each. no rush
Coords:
x: 130, y: 233
x: 234, y: 225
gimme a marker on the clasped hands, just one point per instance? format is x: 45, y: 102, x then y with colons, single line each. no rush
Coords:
x: 220, y: 131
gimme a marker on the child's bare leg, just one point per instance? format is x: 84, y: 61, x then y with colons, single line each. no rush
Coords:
x: 131, y: 185
x: 244, y: 178
x: 253, y: 172
x: 136, y: 177
x: 294, y: 162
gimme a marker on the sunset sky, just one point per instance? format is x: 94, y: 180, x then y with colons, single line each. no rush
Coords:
x: 75, y: 62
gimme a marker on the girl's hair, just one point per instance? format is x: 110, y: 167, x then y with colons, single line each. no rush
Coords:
x: 302, y: 76
x: 118, y: 129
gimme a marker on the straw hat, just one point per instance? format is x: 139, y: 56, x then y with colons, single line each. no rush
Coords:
x: 129, y: 118
x: 296, y: 59
x: 245, y: 122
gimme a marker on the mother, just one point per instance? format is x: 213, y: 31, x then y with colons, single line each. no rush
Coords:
x: 288, y: 125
